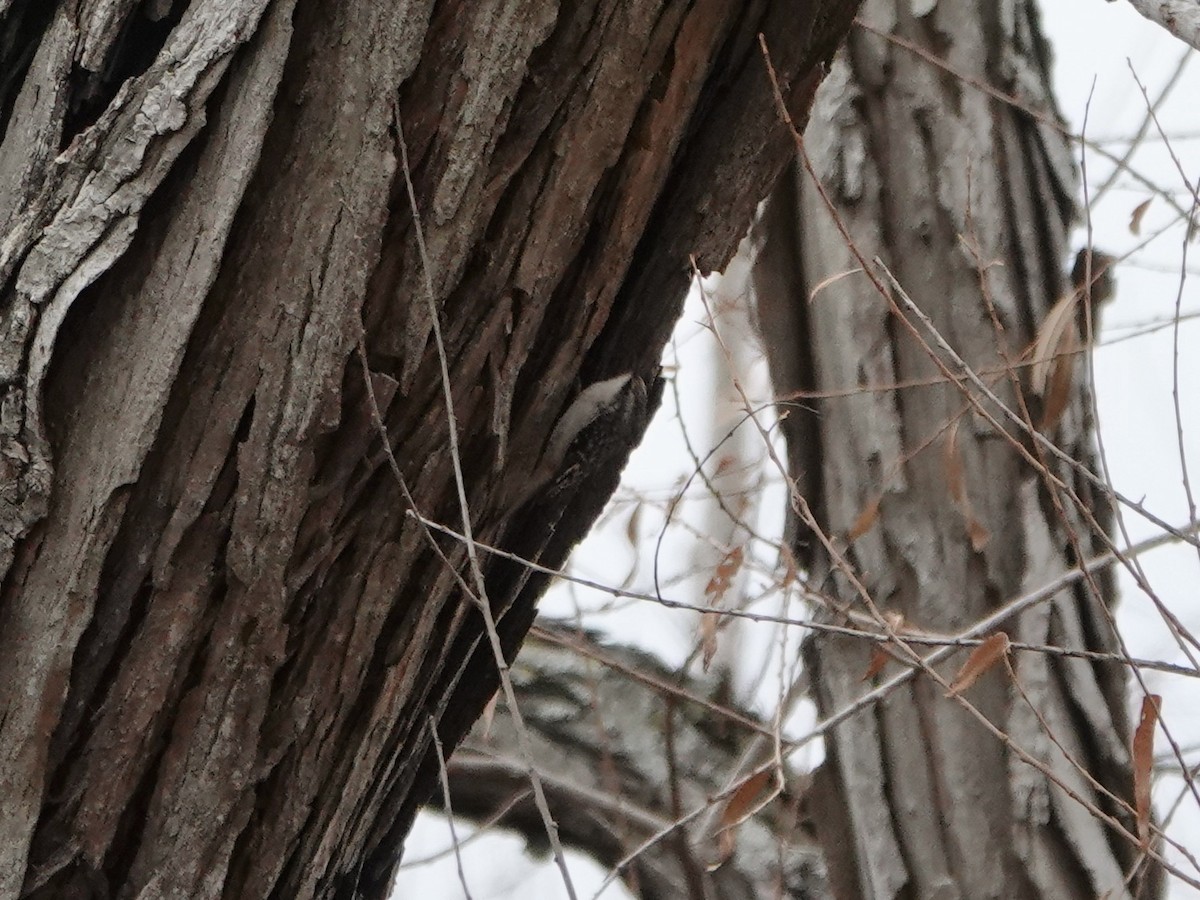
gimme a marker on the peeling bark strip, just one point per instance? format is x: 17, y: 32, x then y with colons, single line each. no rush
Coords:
x: 220, y: 634
x: 968, y: 202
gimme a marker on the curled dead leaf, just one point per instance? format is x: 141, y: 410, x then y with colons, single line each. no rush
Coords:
x: 709, y: 623
x: 723, y: 577
x: 879, y: 658
x: 791, y: 570
x: 982, y: 658
x: 956, y: 484
x: 1135, y: 220
x: 633, y: 526
x: 1058, y: 390
x: 952, y: 465
x: 1143, y: 763
x: 866, y: 520
x: 1053, y: 363
x: 978, y: 534
x: 737, y: 807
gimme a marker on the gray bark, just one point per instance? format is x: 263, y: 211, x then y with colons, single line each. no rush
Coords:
x: 967, y: 200
x: 625, y: 747
x: 221, y: 635
x: 1179, y: 19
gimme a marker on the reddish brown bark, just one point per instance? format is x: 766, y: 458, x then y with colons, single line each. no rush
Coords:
x: 221, y: 633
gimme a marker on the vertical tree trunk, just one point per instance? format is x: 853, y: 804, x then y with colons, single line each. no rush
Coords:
x: 967, y: 199
x: 222, y: 637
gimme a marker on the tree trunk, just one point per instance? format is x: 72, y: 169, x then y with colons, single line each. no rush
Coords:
x: 222, y: 634
x: 967, y: 199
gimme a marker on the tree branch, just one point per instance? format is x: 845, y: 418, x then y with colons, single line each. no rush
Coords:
x: 624, y: 745
x: 1180, y: 17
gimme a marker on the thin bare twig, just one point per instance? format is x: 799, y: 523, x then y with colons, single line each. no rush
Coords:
x: 897, y: 289
x: 1194, y: 190
x: 1179, y: 632
x: 1139, y: 136
x: 481, y: 829
x: 966, y: 638
x: 445, y: 780
x: 481, y: 598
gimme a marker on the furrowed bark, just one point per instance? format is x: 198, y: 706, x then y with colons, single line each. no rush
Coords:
x: 221, y: 634
x: 625, y: 746
x: 967, y: 200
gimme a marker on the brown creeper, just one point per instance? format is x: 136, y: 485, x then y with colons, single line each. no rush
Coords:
x: 604, y: 420
x: 596, y: 421
x: 577, y: 472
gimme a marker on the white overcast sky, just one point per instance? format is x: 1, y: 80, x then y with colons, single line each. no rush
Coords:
x: 1098, y: 47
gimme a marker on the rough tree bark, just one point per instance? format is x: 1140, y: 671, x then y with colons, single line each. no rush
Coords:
x: 221, y: 635
x: 967, y: 200
x: 627, y: 746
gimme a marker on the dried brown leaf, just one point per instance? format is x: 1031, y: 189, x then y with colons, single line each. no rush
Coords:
x: 633, y: 526
x: 978, y: 534
x: 1053, y: 363
x: 737, y: 806
x: 956, y: 483
x: 709, y: 623
x: 1143, y: 762
x: 791, y: 571
x: 831, y: 280
x: 952, y: 464
x: 866, y: 520
x: 722, y: 578
x: 1058, y: 391
x: 879, y: 658
x: 1056, y: 331
x: 1135, y: 220
x: 982, y: 658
